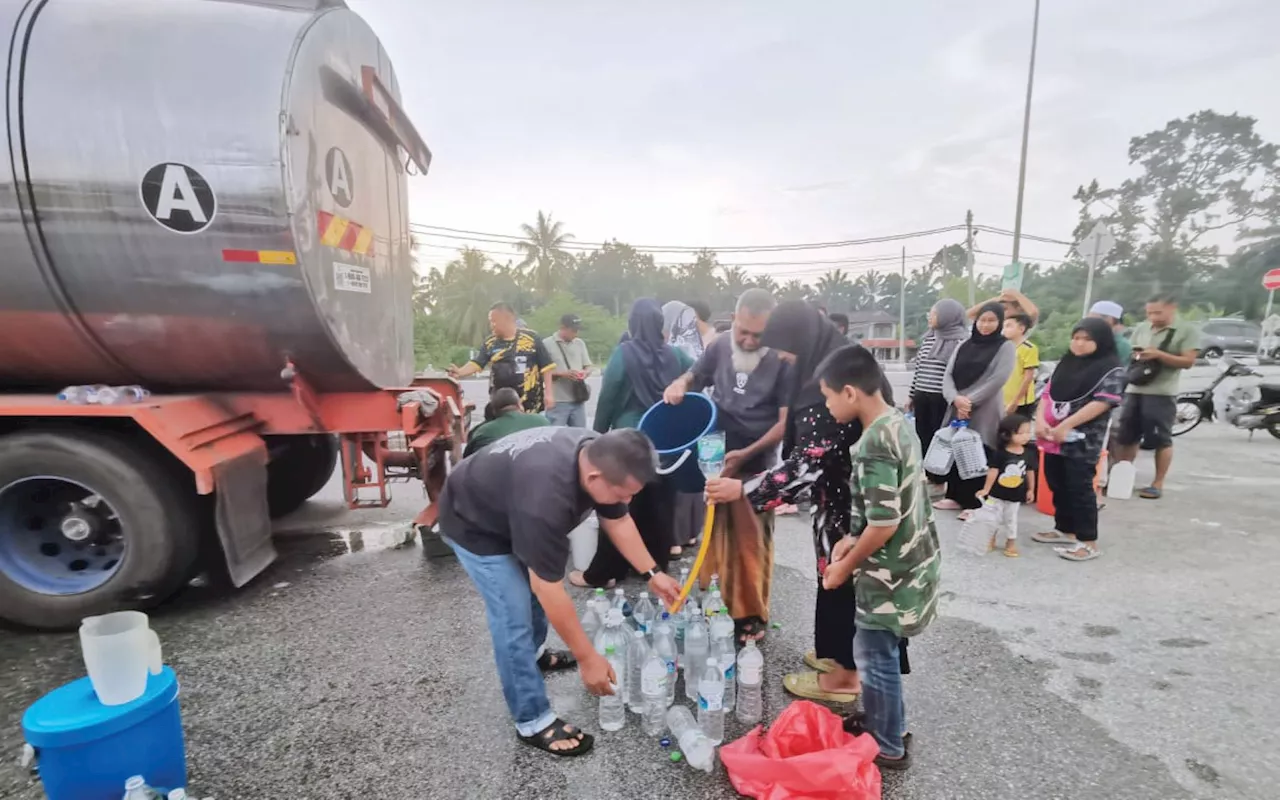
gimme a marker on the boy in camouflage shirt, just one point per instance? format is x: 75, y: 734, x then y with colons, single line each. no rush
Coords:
x: 893, y: 544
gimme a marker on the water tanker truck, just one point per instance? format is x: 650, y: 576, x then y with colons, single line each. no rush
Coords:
x: 208, y: 199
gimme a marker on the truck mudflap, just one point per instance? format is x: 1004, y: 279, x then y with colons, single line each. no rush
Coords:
x: 242, y: 517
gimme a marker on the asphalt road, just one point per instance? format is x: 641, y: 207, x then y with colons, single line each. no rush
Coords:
x: 1149, y: 673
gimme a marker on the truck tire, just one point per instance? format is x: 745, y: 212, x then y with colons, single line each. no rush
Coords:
x: 300, y: 466
x: 89, y: 523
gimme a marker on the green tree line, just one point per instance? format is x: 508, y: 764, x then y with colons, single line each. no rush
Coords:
x: 1194, y: 177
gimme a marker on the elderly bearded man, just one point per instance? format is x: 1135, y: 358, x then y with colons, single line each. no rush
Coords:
x: 751, y: 386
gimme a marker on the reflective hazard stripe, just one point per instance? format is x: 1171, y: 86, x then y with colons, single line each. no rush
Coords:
x: 260, y: 256
x: 343, y: 234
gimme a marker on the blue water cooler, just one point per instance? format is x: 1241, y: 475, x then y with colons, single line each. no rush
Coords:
x: 86, y: 751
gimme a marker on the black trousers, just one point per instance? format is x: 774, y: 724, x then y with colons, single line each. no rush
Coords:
x: 1075, y: 506
x: 833, y: 629
x: 930, y: 408
x: 653, y: 511
x: 966, y: 492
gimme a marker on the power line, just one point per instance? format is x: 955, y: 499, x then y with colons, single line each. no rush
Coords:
x: 492, y: 238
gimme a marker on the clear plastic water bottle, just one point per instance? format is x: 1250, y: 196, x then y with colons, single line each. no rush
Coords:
x: 620, y: 603
x: 613, y: 708
x: 714, y: 586
x: 749, y: 707
x: 121, y: 395
x: 76, y: 395
x: 643, y: 614
x: 711, y: 454
x: 698, y: 750
x: 724, y: 651
x: 697, y: 646
x: 637, y: 655
x: 136, y: 788
x: 600, y: 602
x: 711, y: 701
x: 178, y: 794
x: 715, y: 604
x: 590, y: 621
x: 664, y: 644
x: 612, y: 634
x: 653, y: 685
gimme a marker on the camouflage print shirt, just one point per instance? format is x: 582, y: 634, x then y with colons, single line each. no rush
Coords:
x: 897, y: 586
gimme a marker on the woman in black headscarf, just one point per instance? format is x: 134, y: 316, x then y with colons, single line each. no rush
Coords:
x: 974, y: 386
x: 1071, y: 425
x: 818, y: 463
x: 639, y: 370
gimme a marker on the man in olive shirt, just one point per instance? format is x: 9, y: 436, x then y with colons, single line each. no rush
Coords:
x: 509, y: 417
x: 569, y: 379
x: 1148, y: 411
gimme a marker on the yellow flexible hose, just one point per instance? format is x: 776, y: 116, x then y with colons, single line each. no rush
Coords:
x: 697, y: 563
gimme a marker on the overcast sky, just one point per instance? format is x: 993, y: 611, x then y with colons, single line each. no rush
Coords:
x: 762, y: 122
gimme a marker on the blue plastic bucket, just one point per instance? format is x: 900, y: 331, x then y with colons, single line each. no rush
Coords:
x: 674, y: 431
x: 86, y: 751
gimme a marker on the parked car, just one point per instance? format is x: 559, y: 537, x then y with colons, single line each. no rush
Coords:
x: 1219, y: 336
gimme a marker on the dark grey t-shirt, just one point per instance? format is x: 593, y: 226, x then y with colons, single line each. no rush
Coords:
x: 747, y: 402
x: 521, y: 495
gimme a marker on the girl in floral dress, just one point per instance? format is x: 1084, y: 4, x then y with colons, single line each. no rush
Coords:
x: 817, y: 463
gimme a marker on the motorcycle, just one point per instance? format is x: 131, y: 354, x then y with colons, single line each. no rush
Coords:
x: 1246, y: 408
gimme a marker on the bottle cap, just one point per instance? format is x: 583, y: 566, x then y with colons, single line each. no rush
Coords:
x: 608, y: 651
x: 675, y: 756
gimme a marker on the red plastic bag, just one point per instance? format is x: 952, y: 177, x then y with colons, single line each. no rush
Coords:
x: 806, y: 755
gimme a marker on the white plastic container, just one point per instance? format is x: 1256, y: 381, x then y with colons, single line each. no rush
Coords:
x: 120, y: 650
x: 583, y: 541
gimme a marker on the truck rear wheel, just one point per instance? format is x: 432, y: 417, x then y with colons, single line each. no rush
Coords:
x: 89, y: 523
x: 300, y: 466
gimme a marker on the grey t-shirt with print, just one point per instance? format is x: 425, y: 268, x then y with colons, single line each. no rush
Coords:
x: 747, y: 403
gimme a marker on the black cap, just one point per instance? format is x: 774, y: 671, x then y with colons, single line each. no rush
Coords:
x: 571, y: 321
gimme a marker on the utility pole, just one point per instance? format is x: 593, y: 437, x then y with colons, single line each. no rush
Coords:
x: 1026, y: 129
x: 902, y: 312
x: 968, y: 253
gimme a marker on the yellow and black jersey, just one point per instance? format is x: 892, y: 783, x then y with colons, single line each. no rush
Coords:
x: 519, y: 363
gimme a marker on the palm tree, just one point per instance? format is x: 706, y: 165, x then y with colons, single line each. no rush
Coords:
x: 835, y: 289
x: 796, y: 289
x: 767, y: 283
x: 544, y: 253
x: 465, y: 294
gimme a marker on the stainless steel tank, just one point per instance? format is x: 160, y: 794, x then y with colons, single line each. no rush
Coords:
x: 199, y: 190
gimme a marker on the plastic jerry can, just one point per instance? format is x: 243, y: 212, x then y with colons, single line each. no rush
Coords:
x: 86, y: 751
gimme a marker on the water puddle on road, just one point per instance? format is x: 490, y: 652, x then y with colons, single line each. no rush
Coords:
x: 333, y: 542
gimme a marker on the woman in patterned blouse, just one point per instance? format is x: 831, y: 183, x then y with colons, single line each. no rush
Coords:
x: 818, y: 463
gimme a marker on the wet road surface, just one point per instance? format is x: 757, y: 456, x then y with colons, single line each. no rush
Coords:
x: 1148, y: 673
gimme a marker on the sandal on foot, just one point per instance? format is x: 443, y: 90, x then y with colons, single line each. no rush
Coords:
x: 751, y: 629
x: 560, y: 731
x: 676, y: 552
x: 1011, y: 553
x: 556, y: 660
x: 577, y: 578
x: 1081, y: 553
x: 812, y: 661
x: 965, y: 515
x: 805, y: 684
x: 1150, y: 493
x: 1053, y: 537
x: 897, y: 764
x: 946, y: 505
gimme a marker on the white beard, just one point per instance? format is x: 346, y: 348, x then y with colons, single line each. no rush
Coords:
x: 746, y: 360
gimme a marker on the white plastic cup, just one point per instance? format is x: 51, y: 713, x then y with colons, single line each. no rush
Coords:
x: 120, y: 650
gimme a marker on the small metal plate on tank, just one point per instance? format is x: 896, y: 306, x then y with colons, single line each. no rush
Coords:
x: 350, y: 278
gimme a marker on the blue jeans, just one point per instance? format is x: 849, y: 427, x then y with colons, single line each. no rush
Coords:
x: 573, y: 415
x: 876, y: 653
x: 518, y: 627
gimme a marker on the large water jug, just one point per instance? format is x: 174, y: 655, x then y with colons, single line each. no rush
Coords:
x: 120, y: 650
x: 970, y: 455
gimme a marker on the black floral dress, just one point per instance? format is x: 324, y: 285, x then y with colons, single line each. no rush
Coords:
x: 819, y: 465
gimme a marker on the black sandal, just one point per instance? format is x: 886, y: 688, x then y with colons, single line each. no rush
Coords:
x: 750, y: 629
x: 560, y: 731
x: 556, y: 660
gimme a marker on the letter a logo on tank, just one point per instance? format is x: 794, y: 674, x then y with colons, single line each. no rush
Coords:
x: 337, y: 171
x: 178, y: 197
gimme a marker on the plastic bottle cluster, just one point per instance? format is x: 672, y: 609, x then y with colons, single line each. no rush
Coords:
x: 650, y: 648
x: 136, y: 788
